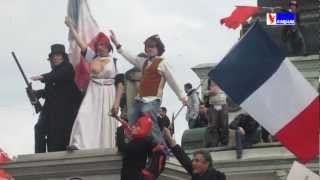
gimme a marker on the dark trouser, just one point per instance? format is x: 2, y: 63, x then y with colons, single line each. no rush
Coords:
x: 40, y: 134
x: 50, y: 138
x: 134, y: 158
x: 218, y: 131
x: 296, y: 44
x: 265, y: 135
x: 243, y: 141
x: 192, y: 123
x: 58, y: 140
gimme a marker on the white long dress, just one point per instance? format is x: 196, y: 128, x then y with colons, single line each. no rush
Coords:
x: 93, y: 127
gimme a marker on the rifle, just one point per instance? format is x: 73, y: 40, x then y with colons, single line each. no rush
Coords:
x: 30, y: 92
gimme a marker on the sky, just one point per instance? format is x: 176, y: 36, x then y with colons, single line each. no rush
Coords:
x: 190, y: 30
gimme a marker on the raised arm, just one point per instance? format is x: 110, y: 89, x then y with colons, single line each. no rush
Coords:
x: 137, y: 61
x: 83, y: 46
x: 178, y: 152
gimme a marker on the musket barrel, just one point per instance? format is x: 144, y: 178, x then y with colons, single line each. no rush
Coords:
x: 31, y: 94
x: 20, y: 68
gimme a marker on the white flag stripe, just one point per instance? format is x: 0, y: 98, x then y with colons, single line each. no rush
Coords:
x: 86, y: 27
x: 281, y: 98
x: 300, y: 172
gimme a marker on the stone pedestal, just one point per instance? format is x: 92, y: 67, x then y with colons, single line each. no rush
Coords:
x: 262, y: 162
x: 193, y: 138
x: 309, y: 22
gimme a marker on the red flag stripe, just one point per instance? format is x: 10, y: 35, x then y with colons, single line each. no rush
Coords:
x: 304, y: 145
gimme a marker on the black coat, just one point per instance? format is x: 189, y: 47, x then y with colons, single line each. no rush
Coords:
x: 186, y: 162
x: 62, y: 101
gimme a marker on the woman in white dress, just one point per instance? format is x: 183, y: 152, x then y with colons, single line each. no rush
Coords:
x: 93, y: 127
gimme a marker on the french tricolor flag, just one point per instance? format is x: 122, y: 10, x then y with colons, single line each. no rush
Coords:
x: 258, y: 77
x: 88, y: 29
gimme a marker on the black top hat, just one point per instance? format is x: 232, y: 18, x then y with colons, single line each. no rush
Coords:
x: 57, y: 49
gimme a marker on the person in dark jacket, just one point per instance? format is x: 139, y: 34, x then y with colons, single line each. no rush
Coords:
x: 292, y: 35
x: 246, y: 132
x: 203, y: 117
x: 200, y: 167
x: 137, y: 149
x: 62, y: 100
x: 163, y: 119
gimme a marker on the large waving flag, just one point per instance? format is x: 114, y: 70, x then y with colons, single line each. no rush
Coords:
x: 258, y: 77
x: 79, y: 12
x: 3, y: 159
x: 239, y: 16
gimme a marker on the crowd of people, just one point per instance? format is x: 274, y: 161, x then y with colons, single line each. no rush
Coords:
x: 212, y: 111
x: 74, y: 120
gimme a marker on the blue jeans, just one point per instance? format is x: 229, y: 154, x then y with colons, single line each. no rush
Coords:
x: 245, y: 141
x: 153, y: 108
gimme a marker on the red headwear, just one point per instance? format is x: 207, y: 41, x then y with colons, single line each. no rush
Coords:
x: 102, y: 38
x: 144, y: 124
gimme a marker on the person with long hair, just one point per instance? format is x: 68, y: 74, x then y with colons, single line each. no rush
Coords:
x: 93, y: 127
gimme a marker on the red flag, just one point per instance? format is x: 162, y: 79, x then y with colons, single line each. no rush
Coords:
x: 239, y: 15
x: 3, y: 159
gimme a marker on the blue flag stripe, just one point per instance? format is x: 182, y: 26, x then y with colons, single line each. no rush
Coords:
x: 248, y: 64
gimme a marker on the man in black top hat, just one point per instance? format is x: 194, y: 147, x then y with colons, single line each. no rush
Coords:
x: 62, y: 100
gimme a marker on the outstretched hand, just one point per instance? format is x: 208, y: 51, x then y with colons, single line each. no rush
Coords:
x: 114, y: 39
x: 68, y: 22
x: 36, y: 78
x: 184, y: 100
x: 114, y: 110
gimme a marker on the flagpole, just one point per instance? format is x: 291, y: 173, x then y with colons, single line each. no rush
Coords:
x: 271, y: 8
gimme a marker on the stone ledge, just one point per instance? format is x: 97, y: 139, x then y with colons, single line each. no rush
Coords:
x: 261, y: 162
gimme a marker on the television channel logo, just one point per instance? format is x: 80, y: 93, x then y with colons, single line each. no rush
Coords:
x: 283, y: 18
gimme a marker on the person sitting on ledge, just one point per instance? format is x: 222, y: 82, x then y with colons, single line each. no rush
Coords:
x: 247, y: 132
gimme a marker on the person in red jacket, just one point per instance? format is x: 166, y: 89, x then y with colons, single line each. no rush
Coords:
x: 136, y: 144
